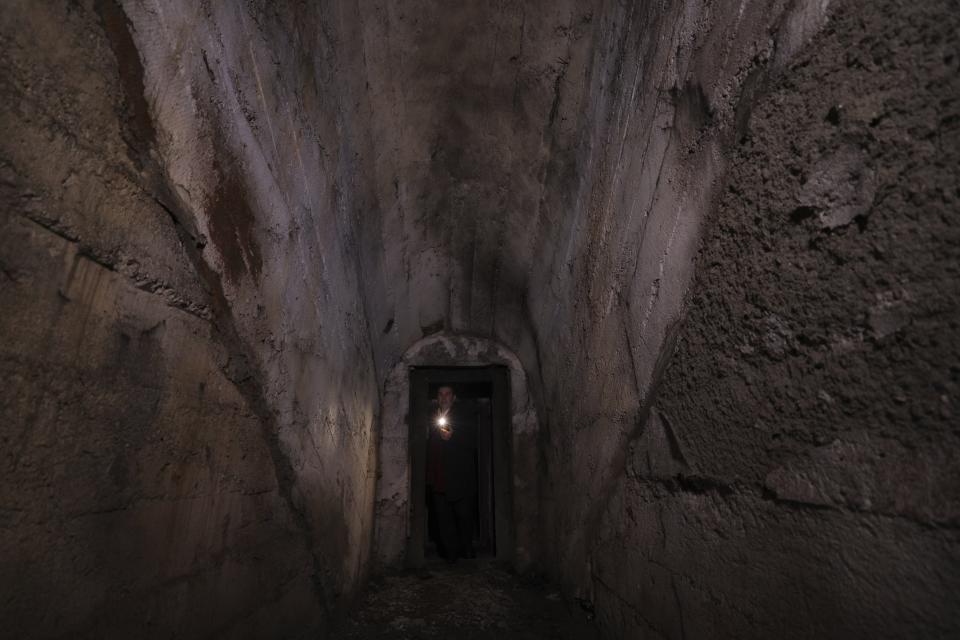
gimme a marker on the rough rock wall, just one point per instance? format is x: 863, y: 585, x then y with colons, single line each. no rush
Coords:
x: 189, y: 393
x: 799, y: 473
x: 645, y: 110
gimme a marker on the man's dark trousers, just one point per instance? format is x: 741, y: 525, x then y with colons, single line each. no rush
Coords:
x: 454, y: 463
x: 455, y: 520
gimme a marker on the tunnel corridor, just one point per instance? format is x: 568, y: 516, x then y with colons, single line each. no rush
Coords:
x: 706, y: 253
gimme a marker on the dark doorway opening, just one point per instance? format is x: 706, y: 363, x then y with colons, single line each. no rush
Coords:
x: 483, y: 393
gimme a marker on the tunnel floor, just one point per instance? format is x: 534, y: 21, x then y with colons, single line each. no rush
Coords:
x: 469, y: 600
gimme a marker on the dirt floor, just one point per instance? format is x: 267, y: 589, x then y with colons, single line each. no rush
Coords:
x: 471, y: 599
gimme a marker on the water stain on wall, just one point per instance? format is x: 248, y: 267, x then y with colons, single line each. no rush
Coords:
x: 232, y: 221
x: 138, y: 130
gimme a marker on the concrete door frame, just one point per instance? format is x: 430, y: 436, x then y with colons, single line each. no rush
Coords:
x: 420, y: 380
x: 392, y: 517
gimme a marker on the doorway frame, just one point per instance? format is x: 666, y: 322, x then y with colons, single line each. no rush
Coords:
x: 421, y: 377
x: 392, y: 512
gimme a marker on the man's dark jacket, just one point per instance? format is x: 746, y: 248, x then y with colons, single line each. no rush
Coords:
x: 452, y: 464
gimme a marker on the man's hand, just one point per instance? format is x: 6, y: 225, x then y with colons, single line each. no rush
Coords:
x: 445, y: 433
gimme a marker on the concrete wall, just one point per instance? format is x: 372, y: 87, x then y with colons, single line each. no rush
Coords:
x: 189, y: 395
x: 255, y: 112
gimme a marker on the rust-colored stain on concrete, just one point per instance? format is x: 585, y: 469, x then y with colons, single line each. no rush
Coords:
x: 138, y: 130
x: 231, y: 225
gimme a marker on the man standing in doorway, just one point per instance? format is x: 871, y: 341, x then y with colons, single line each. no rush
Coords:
x: 452, y: 474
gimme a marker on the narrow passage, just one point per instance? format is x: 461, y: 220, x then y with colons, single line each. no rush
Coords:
x: 470, y: 600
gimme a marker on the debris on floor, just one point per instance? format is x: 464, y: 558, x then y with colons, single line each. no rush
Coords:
x: 470, y: 600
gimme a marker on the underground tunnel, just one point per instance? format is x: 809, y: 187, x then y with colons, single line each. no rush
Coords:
x: 680, y: 277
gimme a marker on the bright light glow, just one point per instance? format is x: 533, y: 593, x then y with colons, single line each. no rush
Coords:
x: 442, y: 421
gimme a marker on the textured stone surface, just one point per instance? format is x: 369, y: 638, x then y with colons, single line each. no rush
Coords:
x: 799, y: 476
x: 188, y: 393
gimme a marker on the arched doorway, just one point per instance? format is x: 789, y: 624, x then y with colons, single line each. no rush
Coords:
x: 400, y: 517
x: 484, y: 392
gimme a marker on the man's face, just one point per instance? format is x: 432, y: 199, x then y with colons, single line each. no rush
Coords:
x: 445, y: 397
